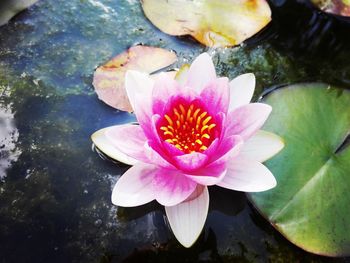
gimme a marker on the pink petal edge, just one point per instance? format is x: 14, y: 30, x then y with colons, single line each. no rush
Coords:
x: 247, y: 120
x: 104, y: 145
x: 134, y: 187
x: 216, y: 95
x: 190, y: 162
x: 129, y: 139
x: 171, y: 187
x: 139, y: 88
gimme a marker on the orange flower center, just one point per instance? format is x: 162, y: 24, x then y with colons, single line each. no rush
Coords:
x: 188, y: 127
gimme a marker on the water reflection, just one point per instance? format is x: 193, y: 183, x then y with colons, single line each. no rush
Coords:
x: 225, y: 201
x: 8, y: 138
x: 303, y: 28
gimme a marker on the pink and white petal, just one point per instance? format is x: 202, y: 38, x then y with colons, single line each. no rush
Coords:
x: 210, y: 174
x: 151, y: 130
x: 215, y: 171
x: 152, y: 133
x: 187, y: 219
x: 247, y: 120
x: 200, y: 73
x: 139, y: 88
x: 241, y: 90
x: 171, y: 149
x: 247, y: 176
x: 220, y: 124
x: 216, y: 94
x: 155, y: 158
x: 206, y: 180
x: 261, y: 146
x: 103, y: 144
x: 138, y: 85
x: 156, y: 143
x: 128, y: 139
x: 135, y: 186
x: 190, y: 162
x: 171, y: 187
x: 231, y: 143
x: 164, y: 88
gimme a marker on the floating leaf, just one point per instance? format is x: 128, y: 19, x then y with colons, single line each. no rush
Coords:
x: 212, y: 23
x: 311, y: 203
x: 109, y: 78
x: 337, y: 7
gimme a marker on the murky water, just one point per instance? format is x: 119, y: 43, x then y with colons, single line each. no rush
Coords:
x: 55, y: 190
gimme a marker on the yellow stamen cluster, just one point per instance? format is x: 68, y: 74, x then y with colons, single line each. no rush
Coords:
x: 188, y: 128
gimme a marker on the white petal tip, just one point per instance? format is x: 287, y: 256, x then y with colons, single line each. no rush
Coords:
x: 268, y: 183
x: 137, y: 84
x: 187, y: 243
x: 204, y: 61
x: 118, y: 200
x: 241, y: 90
x: 248, y: 176
x: 133, y: 77
x: 204, y: 55
x: 272, y: 183
x: 262, y: 146
x: 132, y: 73
x: 114, y: 198
x: 134, y: 187
x: 268, y: 107
x: 279, y: 144
x: 187, y: 219
x: 248, y: 77
x: 185, y: 239
x: 275, y: 143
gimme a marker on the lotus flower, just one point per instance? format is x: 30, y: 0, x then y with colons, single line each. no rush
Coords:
x: 200, y: 132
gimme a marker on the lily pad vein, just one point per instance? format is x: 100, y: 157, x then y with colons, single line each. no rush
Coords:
x: 313, y: 179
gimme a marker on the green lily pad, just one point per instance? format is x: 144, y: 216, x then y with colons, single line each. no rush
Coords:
x: 311, y: 203
x: 336, y: 7
x: 213, y: 23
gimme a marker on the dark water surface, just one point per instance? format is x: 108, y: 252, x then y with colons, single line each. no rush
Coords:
x: 55, y: 191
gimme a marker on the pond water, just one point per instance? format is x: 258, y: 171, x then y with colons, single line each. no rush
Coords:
x: 55, y: 188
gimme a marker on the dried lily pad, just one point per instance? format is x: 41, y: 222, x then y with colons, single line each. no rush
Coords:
x: 212, y: 23
x: 109, y: 78
x: 337, y: 7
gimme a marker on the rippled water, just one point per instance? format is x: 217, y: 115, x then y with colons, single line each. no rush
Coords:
x: 55, y: 190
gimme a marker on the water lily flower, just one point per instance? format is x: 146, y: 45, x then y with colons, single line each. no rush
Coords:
x: 195, y: 133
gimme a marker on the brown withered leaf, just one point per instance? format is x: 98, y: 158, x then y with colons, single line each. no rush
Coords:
x: 213, y: 23
x: 109, y: 78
